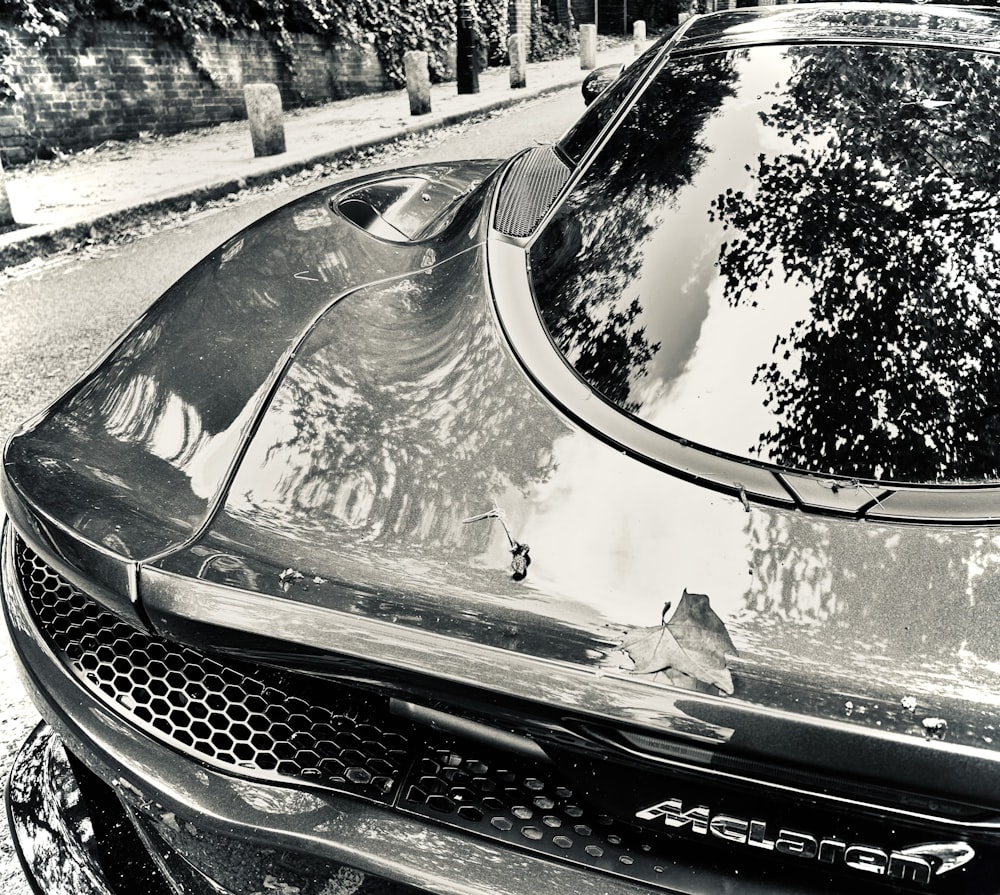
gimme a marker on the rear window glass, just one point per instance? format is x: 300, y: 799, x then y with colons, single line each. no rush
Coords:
x: 585, y: 131
x: 791, y: 255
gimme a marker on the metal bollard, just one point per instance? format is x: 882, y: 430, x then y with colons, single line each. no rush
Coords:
x: 588, y: 47
x: 518, y: 54
x: 267, y: 128
x: 466, y: 60
x: 418, y: 81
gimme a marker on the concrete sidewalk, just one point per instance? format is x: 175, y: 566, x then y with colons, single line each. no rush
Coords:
x: 57, y: 203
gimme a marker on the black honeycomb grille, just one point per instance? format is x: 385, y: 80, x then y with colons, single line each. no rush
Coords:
x: 246, y: 721
x: 251, y: 720
x: 529, y: 806
x: 531, y: 186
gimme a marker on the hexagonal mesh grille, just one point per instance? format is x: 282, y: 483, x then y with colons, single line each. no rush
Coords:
x: 253, y: 720
x: 526, y: 805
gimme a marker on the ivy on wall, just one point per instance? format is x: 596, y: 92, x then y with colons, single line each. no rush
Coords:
x: 8, y: 88
x: 550, y: 39
x: 390, y: 26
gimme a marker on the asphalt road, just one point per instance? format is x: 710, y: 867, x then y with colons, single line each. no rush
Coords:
x: 59, y: 318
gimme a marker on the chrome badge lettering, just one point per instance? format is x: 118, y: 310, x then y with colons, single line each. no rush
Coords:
x: 915, y: 864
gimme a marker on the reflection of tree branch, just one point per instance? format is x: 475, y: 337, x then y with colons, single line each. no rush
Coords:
x: 403, y: 414
x: 889, y: 373
x: 936, y: 160
x: 594, y: 251
x: 964, y: 210
x: 810, y: 571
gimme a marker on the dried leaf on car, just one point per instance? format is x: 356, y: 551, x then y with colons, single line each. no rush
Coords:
x: 692, y: 643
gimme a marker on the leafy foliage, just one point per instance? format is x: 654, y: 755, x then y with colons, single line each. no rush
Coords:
x: 395, y: 28
x: 549, y: 39
x: 657, y: 14
x: 392, y: 28
x: 7, y: 69
x: 494, y: 29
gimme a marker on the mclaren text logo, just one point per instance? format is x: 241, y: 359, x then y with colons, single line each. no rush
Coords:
x: 917, y: 864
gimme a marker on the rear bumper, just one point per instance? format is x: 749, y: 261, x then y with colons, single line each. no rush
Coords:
x: 451, y: 815
x: 73, y: 834
x: 201, y: 824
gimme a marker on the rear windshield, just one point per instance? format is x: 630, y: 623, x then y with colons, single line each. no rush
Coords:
x: 792, y: 255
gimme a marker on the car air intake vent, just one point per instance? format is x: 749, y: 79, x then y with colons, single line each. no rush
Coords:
x: 529, y: 189
x: 255, y: 721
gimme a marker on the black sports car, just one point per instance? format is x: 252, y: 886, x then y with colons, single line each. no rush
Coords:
x: 623, y: 517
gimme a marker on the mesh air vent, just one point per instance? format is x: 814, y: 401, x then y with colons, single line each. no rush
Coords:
x: 254, y: 720
x: 529, y: 189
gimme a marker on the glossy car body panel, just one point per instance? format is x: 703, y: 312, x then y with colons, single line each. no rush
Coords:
x: 219, y: 813
x: 867, y: 23
x: 41, y: 795
x: 174, y: 402
x: 403, y: 511
x: 321, y: 516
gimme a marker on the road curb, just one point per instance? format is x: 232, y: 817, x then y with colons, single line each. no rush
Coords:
x: 25, y: 244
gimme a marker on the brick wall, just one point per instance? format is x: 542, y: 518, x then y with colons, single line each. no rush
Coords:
x: 113, y: 81
x: 519, y: 16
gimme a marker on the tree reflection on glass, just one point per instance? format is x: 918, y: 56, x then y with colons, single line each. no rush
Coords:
x: 882, y: 202
x: 593, y: 251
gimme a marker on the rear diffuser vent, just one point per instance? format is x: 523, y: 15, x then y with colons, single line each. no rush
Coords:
x: 531, y: 186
